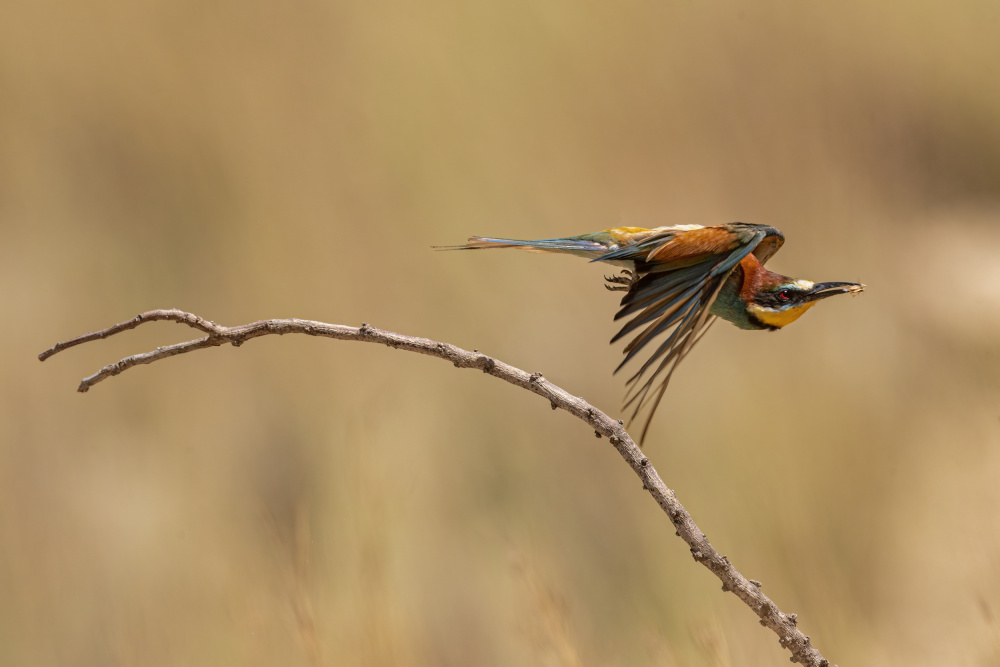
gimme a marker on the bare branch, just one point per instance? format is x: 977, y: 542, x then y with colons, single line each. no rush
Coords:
x: 749, y: 591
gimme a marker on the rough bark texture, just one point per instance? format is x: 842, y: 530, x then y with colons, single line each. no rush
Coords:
x: 747, y: 590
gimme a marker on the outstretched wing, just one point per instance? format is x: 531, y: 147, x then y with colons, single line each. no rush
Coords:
x: 679, y: 273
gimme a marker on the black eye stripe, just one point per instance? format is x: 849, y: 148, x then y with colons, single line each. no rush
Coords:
x: 779, y: 298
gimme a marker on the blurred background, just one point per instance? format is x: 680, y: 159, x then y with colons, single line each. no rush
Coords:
x: 301, y: 501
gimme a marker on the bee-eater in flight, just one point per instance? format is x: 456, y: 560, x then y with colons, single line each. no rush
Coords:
x: 682, y: 277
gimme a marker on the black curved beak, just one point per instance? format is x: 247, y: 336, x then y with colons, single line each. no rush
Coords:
x: 823, y: 290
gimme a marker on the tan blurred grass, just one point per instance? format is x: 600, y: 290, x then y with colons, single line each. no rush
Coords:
x: 248, y: 160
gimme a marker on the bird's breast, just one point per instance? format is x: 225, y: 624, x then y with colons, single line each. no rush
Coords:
x: 729, y: 306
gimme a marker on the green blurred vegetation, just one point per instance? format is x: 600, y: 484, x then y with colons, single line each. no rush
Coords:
x: 316, y: 502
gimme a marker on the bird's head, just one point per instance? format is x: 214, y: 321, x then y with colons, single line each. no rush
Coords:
x: 779, y: 300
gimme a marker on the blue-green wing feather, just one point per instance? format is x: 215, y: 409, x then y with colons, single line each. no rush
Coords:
x: 668, y: 295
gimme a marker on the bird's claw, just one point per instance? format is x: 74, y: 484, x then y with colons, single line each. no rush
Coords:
x: 620, y: 283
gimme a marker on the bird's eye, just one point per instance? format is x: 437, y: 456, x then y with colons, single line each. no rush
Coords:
x: 785, y: 294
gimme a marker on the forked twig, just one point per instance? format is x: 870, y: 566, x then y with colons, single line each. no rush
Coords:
x: 747, y: 590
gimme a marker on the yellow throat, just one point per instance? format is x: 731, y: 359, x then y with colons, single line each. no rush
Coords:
x: 778, y: 318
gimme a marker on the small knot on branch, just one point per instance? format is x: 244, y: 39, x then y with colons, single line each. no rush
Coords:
x: 489, y: 365
x: 756, y: 583
x: 534, y: 377
x: 366, y: 329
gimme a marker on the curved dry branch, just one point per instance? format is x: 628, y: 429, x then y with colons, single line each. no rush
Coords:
x: 747, y: 590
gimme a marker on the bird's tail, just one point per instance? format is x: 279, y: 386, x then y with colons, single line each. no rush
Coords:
x: 574, y: 245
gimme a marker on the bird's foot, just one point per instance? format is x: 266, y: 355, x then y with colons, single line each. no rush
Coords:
x: 620, y: 283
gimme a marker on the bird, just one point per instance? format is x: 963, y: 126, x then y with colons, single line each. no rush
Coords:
x: 680, y: 279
